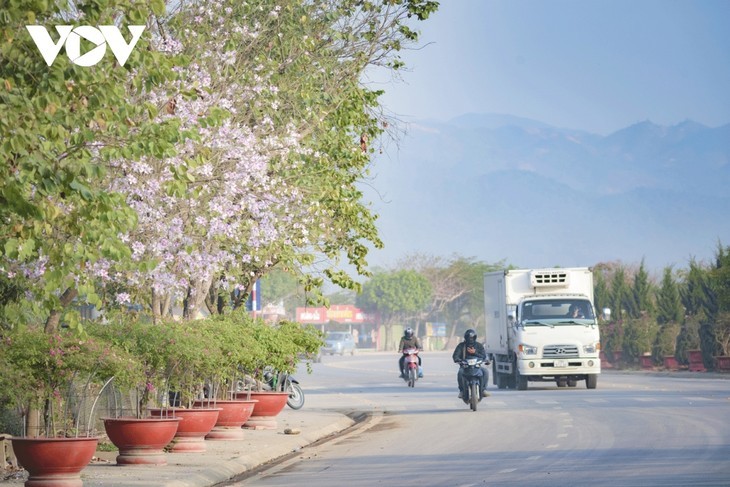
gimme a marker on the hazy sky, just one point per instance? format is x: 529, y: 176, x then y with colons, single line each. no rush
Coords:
x: 594, y: 65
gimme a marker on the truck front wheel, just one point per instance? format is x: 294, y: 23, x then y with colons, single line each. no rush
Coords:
x: 520, y: 380
x: 591, y: 381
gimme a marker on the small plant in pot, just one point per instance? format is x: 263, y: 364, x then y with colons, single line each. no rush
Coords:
x: 284, y: 344
x: 141, y: 439
x: 57, y: 374
x: 230, y: 349
x: 146, y: 342
x: 55, y: 380
x: 191, y: 357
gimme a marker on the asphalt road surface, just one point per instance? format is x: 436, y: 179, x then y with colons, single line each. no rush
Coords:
x: 635, y: 429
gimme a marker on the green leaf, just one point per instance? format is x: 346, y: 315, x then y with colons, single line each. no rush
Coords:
x: 82, y: 189
x: 11, y: 248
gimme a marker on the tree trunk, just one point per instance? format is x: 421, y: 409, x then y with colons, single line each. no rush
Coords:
x: 451, y: 335
x: 165, y: 310
x: 195, y: 299
x: 160, y: 306
x: 214, y: 300
x: 156, y: 308
x: 210, y: 302
x: 54, y: 318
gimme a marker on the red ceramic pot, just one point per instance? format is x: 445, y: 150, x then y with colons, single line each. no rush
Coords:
x: 195, y: 424
x: 141, y: 441
x: 233, y: 414
x: 54, y: 462
x: 269, y: 405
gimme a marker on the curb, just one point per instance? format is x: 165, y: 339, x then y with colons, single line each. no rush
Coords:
x: 227, y: 469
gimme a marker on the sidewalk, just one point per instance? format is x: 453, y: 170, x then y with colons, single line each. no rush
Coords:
x: 222, y: 459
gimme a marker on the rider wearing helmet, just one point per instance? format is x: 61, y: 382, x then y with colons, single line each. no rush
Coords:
x: 469, y: 348
x: 409, y: 340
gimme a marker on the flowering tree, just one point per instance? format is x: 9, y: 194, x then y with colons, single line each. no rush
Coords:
x: 273, y: 92
x: 231, y: 142
x: 59, y: 124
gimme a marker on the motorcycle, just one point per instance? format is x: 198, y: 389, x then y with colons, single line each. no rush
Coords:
x: 472, y: 374
x: 410, y: 370
x: 285, y: 382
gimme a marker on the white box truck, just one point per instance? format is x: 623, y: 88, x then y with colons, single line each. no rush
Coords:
x: 541, y: 325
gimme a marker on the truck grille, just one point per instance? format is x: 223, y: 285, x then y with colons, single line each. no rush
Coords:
x: 560, y: 351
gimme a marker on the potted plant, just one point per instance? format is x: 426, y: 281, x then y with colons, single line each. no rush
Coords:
x: 230, y: 348
x: 53, y: 378
x: 141, y: 438
x: 283, y: 346
x: 191, y: 357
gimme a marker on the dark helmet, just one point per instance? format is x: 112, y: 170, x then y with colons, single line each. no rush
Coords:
x: 470, y: 336
x: 408, y: 332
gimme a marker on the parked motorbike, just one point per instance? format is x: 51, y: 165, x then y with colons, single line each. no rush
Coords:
x: 285, y: 382
x: 410, y: 366
x: 472, y: 373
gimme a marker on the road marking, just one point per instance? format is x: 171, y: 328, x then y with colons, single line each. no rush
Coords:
x: 595, y: 401
x: 553, y: 446
x: 563, y: 435
x: 535, y: 457
x: 507, y: 470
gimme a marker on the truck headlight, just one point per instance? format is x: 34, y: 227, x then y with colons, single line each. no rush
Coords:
x: 592, y: 347
x: 527, y: 349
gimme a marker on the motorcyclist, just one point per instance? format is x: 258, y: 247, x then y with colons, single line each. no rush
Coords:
x: 470, y: 348
x: 409, y: 340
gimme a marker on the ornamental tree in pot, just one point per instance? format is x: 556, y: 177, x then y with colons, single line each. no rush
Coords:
x: 284, y: 344
x: 59, y: 375
x: 231, y: 348
x: 140, y: 438
x: 54, y: 373
x: 191, y: 357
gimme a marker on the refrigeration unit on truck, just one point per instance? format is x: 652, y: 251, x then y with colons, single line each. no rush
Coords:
x: 541, y: 325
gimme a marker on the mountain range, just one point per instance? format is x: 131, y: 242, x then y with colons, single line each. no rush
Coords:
x: 499, y: 187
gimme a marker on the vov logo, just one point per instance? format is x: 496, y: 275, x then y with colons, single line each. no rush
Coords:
x: 70, y: 36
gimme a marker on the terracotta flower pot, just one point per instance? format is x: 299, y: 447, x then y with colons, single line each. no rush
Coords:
x: 647, y: 362
x: 195, y: 424
x: 269, y: 405
x: 670, y: 362
x: 141, y: 441
x: 233, y: 414
x: 56, y: 462
x: 722, y: 363
x: 696, y: 362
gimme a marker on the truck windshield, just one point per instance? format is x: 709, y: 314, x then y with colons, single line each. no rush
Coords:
x: 562, y: 310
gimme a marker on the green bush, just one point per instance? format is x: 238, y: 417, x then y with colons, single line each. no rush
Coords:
x: 639, y: 337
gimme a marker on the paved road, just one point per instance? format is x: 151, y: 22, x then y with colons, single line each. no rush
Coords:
x: 634, y: 429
